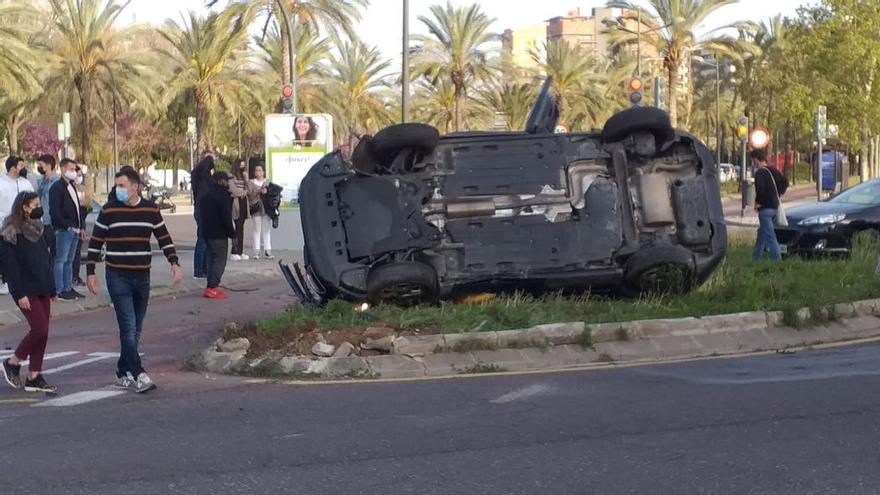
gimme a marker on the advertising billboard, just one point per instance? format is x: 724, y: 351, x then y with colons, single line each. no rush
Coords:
x: 293, y: 144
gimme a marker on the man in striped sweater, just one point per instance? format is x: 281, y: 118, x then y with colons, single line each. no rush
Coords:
x: 125, y: 225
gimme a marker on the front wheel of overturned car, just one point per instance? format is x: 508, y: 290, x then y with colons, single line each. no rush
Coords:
x: 403, y: 283
x: 664, y: 270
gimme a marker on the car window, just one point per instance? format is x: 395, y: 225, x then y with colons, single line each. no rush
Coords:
x: 867, y: 194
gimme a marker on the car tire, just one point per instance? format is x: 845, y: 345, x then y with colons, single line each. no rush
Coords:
x: 664, y: 270
x: 363, y: 159
x: 627, y: 122
x: 388, y: 142
x: 403, y: 283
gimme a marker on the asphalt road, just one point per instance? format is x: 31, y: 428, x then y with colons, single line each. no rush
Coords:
x: 799, y: 424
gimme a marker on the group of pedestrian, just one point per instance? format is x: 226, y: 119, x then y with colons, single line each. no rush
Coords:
x: 39, y: 238
x: 223, y: 203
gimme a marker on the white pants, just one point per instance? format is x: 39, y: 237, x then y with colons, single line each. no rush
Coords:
x: 262, y: 233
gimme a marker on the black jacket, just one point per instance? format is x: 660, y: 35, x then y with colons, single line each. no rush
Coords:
x: 200, y: 178
x: 27, y: 267
x: 765, y: 194
x: 216, y: 211
x: 63, y: 210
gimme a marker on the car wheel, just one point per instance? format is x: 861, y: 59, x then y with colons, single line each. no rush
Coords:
x: 403, y: 283
x: 388, y: 142
x: 664, y: 270
x: 630, y: 121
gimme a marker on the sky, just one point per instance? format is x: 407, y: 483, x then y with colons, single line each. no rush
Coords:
x: 381, y: 25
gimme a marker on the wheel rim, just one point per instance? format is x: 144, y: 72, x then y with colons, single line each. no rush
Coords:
x: 404, y: 293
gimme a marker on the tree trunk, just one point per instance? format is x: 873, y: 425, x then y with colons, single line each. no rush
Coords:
x: 84, y: 88
x: 673, y: 69
x: 457, y: 110
x: 285, y: 50
x: 13, y: 126
x: 203, y: 141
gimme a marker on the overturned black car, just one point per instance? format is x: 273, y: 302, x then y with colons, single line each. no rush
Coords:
x: 416, y: 217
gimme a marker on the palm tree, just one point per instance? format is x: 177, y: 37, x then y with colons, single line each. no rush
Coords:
x: 670, y: 27
x: 312, y: 55
x: 356, y: 90
x: 86, y: 50
x: 511, y: 99
x: 19, y: 76
x: 455, y: 51
x: 435, y: 104
x: 312, y: 16
x: 210, y: 62
x: 578, y: 81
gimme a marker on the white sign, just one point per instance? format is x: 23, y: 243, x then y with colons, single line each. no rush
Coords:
x: 561, y: 129
x: 293, y: 145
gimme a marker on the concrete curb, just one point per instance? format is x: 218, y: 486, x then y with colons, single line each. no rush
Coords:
x: 65, y: 308
x: 568, y: 345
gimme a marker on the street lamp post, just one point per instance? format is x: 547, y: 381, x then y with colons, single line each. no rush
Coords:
x: 292, y: 52
x: 405, y: 72
x: 717, y: 111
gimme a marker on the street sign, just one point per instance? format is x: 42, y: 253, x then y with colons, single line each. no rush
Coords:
x: 191, y: 126
x: 822, y: 122
x: 833, y: 130
x: 67, y: 129
x: 561, y: 129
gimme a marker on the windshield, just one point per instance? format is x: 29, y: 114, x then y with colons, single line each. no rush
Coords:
x: 867, y: 194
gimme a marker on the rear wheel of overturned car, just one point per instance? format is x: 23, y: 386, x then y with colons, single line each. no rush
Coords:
x: 403, y: 283
x: 389, y: 142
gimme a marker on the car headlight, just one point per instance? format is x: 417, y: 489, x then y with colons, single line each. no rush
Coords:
x: 823, y: 219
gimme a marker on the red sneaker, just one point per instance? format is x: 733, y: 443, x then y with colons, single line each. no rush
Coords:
x: 215, y: 294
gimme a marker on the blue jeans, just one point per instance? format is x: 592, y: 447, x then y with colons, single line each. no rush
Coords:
x: 200, y: 264
x: 130, y: 293
x: 65, y: 252
x: 766, y: 240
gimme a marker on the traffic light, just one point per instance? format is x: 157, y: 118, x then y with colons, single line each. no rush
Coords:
x: 634, y: 87
x: 742, y: 129
x: 287, y: 99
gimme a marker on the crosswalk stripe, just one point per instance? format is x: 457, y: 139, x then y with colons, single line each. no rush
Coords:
x: 49, y: 357
x: 93, y: 358
x: 80, y: 398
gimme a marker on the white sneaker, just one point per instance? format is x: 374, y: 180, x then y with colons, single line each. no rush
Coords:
x: 268, y: 256
x: 256, y: 256
x: 4, y: 289
x: 235, y: 257
x: 245, y: 257
x: 144, y: 384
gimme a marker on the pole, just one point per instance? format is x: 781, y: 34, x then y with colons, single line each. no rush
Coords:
x: 744, y: 186
x: 717, y: 109
x: 639, y: 46
x: 819, y: 167
x: 405, y: 71
x: 115, y: 139
x: 292, y: 52
x: 192, y: 198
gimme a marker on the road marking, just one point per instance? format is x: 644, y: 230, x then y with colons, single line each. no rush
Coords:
x: 93, y: 358
x: 80, y: 398
x: 18, y: 401
x: 523, y: 393
x: 49, y: 357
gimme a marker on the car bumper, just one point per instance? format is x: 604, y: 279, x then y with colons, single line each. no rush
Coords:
x: 814, y: 241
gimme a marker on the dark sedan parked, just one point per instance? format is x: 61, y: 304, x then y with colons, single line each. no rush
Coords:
x: 828, y: 227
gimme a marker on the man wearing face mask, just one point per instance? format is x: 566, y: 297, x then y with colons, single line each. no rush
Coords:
x: 125, y: 225
x: 14, y: 182
x: 46, y: 168
x: 64, y: 209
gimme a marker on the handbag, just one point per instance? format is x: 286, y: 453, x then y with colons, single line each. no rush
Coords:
x: 781, y: 218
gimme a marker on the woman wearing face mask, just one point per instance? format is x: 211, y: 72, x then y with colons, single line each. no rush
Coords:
x: 28, y: 269
x: 239, y: 191
x: 257, y: 187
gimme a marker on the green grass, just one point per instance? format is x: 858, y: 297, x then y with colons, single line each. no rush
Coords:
x: 738, y: 285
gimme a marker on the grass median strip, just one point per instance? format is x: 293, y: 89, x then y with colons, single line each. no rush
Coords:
x: 738, y: 285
